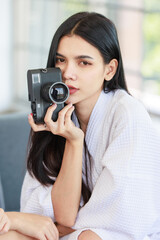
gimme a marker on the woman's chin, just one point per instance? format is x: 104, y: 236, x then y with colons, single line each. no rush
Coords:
x: 69, y: 100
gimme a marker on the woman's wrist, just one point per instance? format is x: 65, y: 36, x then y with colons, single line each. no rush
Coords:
x: 76, y: 141
x: 14, y: 219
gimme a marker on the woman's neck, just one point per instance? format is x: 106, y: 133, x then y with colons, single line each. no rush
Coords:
x: 83, y: 111
x: 83, y: 117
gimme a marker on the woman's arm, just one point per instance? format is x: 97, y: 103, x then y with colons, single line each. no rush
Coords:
x: 66, y: 192
x: 33, y: 225
x: 63, y: 231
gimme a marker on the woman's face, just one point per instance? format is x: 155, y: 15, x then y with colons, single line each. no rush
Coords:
x: 83, y: 69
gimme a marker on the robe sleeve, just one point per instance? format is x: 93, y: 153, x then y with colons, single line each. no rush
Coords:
x: 36, y: 198
x: 125, y: 202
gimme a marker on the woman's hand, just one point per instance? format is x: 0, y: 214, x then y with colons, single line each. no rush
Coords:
x: 4, y: 222
x: 63, y: 126
x: 63, y: 231
x: 33, y: 225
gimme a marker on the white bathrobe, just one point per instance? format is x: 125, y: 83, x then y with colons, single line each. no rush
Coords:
x: 125, y: 174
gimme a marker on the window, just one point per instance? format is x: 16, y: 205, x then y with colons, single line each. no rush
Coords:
x: 33, y: 24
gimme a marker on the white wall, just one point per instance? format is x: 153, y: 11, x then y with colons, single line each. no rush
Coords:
x: 5, y: 55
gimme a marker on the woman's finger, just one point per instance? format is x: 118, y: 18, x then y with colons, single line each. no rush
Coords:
x: 65, y: 109
x: 5, y: 228
x: 62, y: 115
x: 1, y: 213
x: 54, y: 231
x: 51, y: 232
x: 50, y: 235
x: 3, y: 222
x: 48, y: 117
x: 41, y: 237
x: 59, y: 124
x: 68, y: 115
x: 36, y: 127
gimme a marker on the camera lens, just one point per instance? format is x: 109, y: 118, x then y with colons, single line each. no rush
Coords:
x: 58, y: 92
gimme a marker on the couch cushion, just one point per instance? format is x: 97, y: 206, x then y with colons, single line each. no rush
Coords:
x: 14, y: 132
x: 2, y: 205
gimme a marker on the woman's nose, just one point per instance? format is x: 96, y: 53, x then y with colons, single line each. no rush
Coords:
x: 68, y: 72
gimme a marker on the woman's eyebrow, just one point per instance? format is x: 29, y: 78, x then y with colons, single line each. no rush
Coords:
x: 77, y: 57
x: 83, y: 56
x: 59, y: 55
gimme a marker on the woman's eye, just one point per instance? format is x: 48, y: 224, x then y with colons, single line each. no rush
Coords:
x: 84, y: 63
x: 59, y: 60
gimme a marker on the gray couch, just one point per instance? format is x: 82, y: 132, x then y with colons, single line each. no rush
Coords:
x: 2, y: 205
x: 14, y: 133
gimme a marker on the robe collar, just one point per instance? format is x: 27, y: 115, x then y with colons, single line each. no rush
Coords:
x: 96, y: 120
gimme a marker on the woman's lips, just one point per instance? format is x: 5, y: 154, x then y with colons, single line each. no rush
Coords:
x: 72, y: 89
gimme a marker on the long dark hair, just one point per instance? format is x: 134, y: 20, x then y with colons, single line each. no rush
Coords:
x: 46, y: 149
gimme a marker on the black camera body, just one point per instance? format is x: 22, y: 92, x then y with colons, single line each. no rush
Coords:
x: 45, y: 87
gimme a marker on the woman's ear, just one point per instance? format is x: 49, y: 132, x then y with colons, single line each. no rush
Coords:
x: 111, y: 69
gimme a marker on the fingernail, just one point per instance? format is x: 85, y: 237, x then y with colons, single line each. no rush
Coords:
x: 54, y: 104
x: 30, y: 115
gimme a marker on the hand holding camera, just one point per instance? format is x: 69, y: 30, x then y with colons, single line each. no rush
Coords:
x: 48, y: 94
x: 63, y: 126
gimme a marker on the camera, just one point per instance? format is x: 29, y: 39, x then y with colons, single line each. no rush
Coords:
x: 45, y: 87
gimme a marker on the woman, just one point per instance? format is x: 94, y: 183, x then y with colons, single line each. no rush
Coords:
x: 94, y: 171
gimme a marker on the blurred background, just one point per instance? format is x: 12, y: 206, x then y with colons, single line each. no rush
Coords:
x: 27, y: 28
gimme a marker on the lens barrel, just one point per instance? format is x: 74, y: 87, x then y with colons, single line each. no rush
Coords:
x: 58, y: 92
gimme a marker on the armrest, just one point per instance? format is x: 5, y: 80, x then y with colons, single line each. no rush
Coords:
x: 2, y: 205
